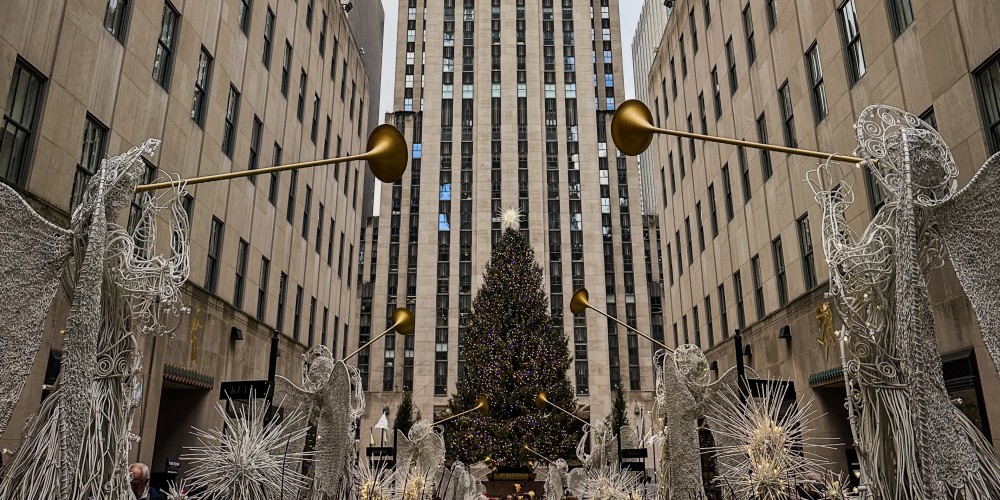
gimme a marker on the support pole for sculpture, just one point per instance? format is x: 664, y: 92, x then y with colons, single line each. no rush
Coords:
x: 581, y: 302
x: 541, y: 399
x: 386, y: 156
x: 402, y: 322
x: 482, y: 406
x: 539, y: 455
x: 632, y: 130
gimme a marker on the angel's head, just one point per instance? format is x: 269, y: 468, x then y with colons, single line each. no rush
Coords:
x: 317, y: 366
x: 932, y: 171
x: 691, y: 363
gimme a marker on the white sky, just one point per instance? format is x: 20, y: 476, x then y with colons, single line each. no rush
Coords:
x: 628, y: 10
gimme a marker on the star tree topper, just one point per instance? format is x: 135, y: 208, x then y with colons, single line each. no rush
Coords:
x: 510, y: 217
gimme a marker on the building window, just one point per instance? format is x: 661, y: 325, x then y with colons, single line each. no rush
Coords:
x: 988, y: 81
x: 876, y: 198
x: 741, y: 155
x: 282, y: 295
x: 787, y: 115
x: 254, y: 159
x: 779, y: 271
x: 962, y: 381
x: 741, y: 317
x: 297, y: 314
x: 214, y: 255
x: 319, y: 228
x: 272, y: 192
x: 731, y: 65
x: 19, y: 120
x: 354, y: 89
x: 322, y: 36
x: 202, y: 81
x: 708, y: 13
x: 673, y: 177
x: 748, y: 32
x: 900, y: 15
x: 343, y: 80
x: 340, y: 256
x: 709, y: 330
x: 701, y: 226
x: 268, y: 38
x: 716, y: 94
x: 713, y: 216
x: 241, y: 273
x: 265, y: 272
x: 723, y: 314
x: 687, y: 236
x: 325, y: 329
x: 311, y: 336
x: 702, y: 112
x: 684, y: 59
x: 163, y: 61
x: 663, y: 185
x: 929, y: 118
x: 290, y: 209
x: 245, y: 13
x: 765, y: 155
x: 727, y: 192
x: 94, y: 144
x: 232, y: 115
x: 806, y: 252
x: 815, y: 70
x: 305, y: 212
x: 116, y: 18
x: 680, y: 254
x: 286, y: 69
x: 694, y: 32
x: 772, y: 14
x: 673, y: 77
x: 301, y: 104
x: 309, y: 14
x: 758, y: 286
x: 135, y: 211
x: 851, y: 34
x: 314, y: 129
x: 329, y: 243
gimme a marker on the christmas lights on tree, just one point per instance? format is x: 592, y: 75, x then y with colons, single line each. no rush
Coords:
x: 513, y: 349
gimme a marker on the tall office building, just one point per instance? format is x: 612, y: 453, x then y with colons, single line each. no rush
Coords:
x: 740, y: 228
x: 367, y: 21
x: 226, y: 85
x: 652, y: 21
x: 506, y: 104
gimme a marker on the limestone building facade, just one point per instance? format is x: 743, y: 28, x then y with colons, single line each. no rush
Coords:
x: 740, y: 226
x: 226, y: 85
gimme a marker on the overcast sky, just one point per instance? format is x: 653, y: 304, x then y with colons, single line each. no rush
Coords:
x: 629, y: 10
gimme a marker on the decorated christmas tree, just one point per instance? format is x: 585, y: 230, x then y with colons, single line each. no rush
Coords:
x: 513, y: 349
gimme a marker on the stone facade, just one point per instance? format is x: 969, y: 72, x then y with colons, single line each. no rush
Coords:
x: 103, y: 75
x: 926, y: 60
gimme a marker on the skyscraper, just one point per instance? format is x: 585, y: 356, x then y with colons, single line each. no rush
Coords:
x: 503, y: 108
x: 652, y: 21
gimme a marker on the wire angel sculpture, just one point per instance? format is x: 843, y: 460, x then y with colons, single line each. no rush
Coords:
x: 462, y: 483
x: 422, y: 448
x: 332, y: 399
x: 76, y: 445
x: 250, y: 457
x: 684, y: 395
x: 555, y: 476
x: 913, y: 443
x: 769, y: 444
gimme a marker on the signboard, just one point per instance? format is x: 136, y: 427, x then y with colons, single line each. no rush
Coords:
x: 627, y: 453
x: 173, y: 467
x: 242, y: 389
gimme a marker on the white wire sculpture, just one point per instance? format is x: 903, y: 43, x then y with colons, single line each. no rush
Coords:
x: 770, y: 445
x: 422, y: 448
x: 555, y: 476
x: 462, y: 484
x: 33, y: 254
x: 610, y: 482
x: 332, y: 398
x: 372, y: 480
x: 76, y: 445
x: 683, y: 395
x: 913, y: 443
x: 179, y: 491
x: 250, y: 456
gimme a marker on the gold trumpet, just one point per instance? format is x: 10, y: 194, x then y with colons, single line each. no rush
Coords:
x: 632, y: 130
x: 482, y: 405
x: 386, y: 156
x: 542, y: 399
x: 535, y: 453
x: 581, y: 302
x: 402, y: 322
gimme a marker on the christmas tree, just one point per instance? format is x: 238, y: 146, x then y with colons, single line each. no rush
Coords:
x: 404, y: 414
x: 617, y: 418
x: 513, y: 349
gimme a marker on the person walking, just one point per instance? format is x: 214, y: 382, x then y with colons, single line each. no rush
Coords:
x: 139, y: 483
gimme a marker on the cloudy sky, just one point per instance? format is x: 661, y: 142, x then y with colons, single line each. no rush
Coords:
x: 629, y: 10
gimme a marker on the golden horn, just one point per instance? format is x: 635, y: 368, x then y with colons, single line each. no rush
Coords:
x: 539, y: 455
x: 387, y: 156
x: 581, y: 302
x: 402, y: 322
x: 632, y: 130
x: 481, y: 405
x: 541, y: 399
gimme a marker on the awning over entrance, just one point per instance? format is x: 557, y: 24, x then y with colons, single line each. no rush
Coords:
x: 187, y: 377
x: 831, y: 376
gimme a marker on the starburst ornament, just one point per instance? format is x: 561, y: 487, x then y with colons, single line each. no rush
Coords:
x: 510, y: 217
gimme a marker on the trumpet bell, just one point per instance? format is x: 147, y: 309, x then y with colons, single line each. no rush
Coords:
x: 388, y: 151
x: 484, y: 405
x: 541, y: 399
x: 402, y: 320
x: 580, y: 301
x: 632, y: 127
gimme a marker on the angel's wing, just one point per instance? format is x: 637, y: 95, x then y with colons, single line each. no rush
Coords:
x: 430, y: 452
x: 32, y: 256
x: 334, y: 428
x: 576, y: 482
x: 405, y: 451
x: 969, y: 227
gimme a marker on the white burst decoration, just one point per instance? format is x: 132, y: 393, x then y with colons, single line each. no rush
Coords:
x: 179, y: 491
x: 250, y: 457
x: 510, y: 217
x: 372, y: 483
x: 610, y: 482
x: 770, y: 448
